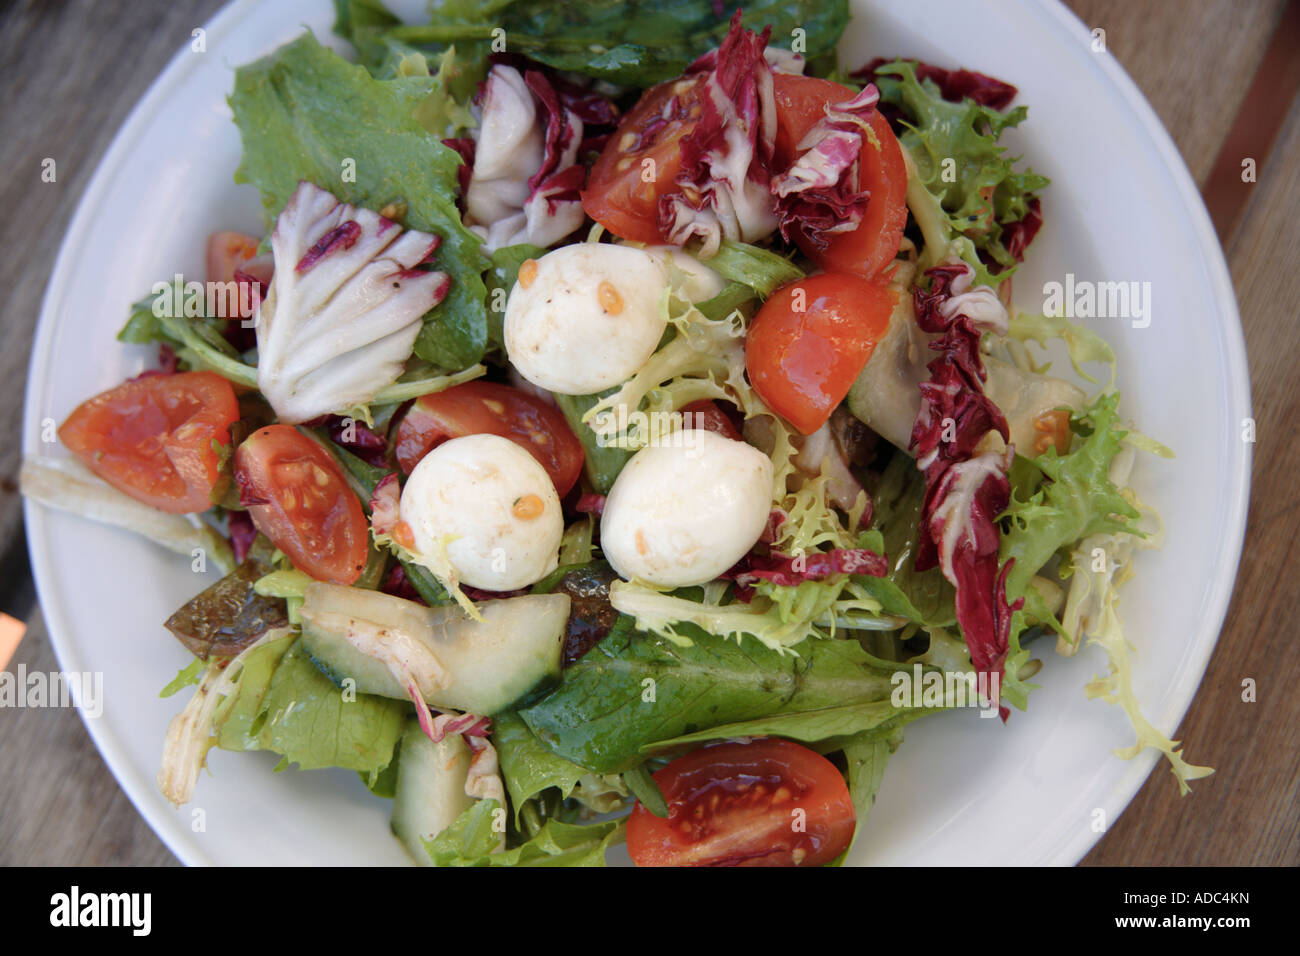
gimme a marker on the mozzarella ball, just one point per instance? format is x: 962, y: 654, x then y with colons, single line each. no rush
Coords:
x: 684, y: 511
x: 494, y: 507
x: 585, y: 317
x: 696, y: 281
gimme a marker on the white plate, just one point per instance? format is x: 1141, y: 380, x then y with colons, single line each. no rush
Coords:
x: 962, y: 790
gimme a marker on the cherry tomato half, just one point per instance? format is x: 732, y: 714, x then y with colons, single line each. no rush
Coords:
x: 157, y: 439
x: 800, y: 103
x: 477, y: 408
x: 811, y: 339
x: 641, y: 161
x: 298, y: 497
x: 764, y: 803
x: 227, y: 252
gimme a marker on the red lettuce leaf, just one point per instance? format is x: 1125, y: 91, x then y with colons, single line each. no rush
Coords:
x: 964, y: 493
x: 788, y: 571
x: 736, y: 98
x: 954, y: 85
x: 820, y: 194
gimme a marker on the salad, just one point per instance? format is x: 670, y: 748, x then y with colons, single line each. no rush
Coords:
x: 622, y: 432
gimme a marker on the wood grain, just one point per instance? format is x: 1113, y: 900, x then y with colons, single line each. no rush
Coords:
x: 1249, y: 811
x: 73, y: 69
x: 1193, y: 60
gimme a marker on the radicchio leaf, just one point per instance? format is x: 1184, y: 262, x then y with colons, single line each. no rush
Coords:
x: 396, y: 583
x: 168, y: 363
x: 724, y: 182
x: 358, y: 439
x: 344, y: 307
x: 484, y: 778
x: 525, y: 182
x: 954, y: 85
x: 469, y: 724
x: 1017, y: 236
x: 242, y: 533
x: 464, y: 147
x: 785, y: 61
x: 819, y: 195
x: 385, y: 505
x: 787, y: 571
x: 254, y: 280
x: 964, y: 492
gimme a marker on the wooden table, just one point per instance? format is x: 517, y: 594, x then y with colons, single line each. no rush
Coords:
x: 71, y: 71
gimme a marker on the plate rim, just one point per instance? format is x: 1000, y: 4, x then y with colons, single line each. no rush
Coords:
x: 1059, y: 19
x: 151, y: 101
x: 1240, y: 473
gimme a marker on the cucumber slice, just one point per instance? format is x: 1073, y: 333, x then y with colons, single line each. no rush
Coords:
x: 430, y: 788
x: 458, y: 663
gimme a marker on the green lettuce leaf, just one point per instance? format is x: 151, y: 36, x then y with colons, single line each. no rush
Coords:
x: 286, y: 705
x: 187, y: 676
x: 368, y: 25
x: 196, y: 337
x: 1075, y: 499
x: 528, y: 767
x: 304, y: 112
x: 633, y: 691
x: 1092, y: 610
x: 867, y: 719
x: 752, y: 274
x: 629, y: 42
x: 761, y: 270
x: 642, y: 784
x: 866, y: 756
x: 925, y: 597
x: 445, y: 111
x: 981, y: 189
x: 603, y: 462
x: 779, y: 616
x: 471, y: 839
x: 734, y: 296
x: 500, y: 280
x: 1084, y: 344
x: 383, y: 783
